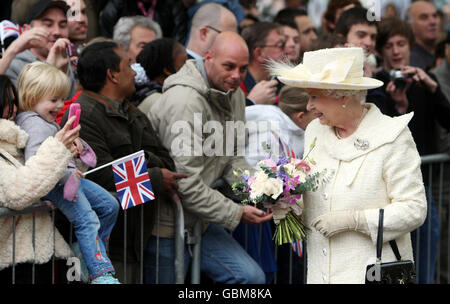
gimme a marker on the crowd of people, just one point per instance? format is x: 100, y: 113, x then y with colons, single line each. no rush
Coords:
x: 151, y: 75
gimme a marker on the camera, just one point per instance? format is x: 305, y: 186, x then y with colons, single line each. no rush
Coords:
x: 399, y: 78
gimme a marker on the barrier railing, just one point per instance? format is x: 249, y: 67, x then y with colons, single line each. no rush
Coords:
x: 431, y: 255
x: 432, y: 265
x: 41, y: 206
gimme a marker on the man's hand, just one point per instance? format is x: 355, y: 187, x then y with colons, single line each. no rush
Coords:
x: 255, y: 216
x: 263, y: 92
x: 33, y: 38
x: 58, y: 54
x: 170, y: 178
x: 399, y: 96
x: 419, y: 76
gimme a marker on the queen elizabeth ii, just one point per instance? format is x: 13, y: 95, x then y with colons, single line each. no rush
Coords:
x: 375, y: 163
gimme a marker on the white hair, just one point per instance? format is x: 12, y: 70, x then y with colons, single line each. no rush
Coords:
x: 123, y: 27
x: 358, y: 95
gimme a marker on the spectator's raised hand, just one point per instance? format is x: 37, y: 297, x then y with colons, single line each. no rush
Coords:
x: 33, y: 38
x: 263, y: 92
x: 418, y: 75
x: 58, y: 54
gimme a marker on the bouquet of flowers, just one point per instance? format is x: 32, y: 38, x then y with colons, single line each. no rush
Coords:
x: 279, y: 184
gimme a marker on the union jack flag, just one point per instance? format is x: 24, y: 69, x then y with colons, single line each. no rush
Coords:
x: 132, y: 181
x: 297, y: 247
x: 9, y: 29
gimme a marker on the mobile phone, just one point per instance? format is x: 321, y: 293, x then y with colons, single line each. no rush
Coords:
x: 72, y: 50
x: 74, y: 110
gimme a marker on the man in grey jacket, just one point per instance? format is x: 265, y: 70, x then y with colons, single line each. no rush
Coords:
x: 50, y: 17
x: 206, y: 93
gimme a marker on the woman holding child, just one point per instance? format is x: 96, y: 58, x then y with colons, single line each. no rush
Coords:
x: 23, y: 184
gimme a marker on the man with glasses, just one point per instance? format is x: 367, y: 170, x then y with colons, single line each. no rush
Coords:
x: 210, y: 20
x: 266, y: 41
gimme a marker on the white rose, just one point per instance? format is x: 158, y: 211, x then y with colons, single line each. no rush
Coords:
x: 257, y: 188
x: 273, y: 187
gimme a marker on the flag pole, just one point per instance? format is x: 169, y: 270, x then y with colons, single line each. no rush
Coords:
x: 114, y: 161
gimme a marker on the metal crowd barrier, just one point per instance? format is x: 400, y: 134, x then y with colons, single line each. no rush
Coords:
x: 441, y: 196
x: 436, y: 229
x: 436, y: 169
x: 40, y: 206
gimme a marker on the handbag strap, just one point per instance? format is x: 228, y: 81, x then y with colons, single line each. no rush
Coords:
x: 394, y: 247
x: 380, y: 235
x: 393, y: 243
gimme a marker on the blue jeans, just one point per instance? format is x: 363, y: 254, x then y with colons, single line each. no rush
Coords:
x: 93, y: 215
x: 222, y: 259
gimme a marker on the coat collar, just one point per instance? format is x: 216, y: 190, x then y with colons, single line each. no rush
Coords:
x: 374, y: 131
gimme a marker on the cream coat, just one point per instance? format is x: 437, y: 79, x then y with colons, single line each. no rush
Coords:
x: 385, y: 175
x: 19, y: 188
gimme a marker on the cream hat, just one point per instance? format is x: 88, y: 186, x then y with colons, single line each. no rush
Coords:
x: 335, y: 68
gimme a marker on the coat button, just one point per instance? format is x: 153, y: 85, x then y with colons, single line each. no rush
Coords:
x: 324, y: 251
x: 325, y: 196
x: 324, y: 278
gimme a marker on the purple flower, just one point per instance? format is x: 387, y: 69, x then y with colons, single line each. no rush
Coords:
x: 291, y: 183
x: 281, y: 174
x: 245, y: 177
x: 283, y: 161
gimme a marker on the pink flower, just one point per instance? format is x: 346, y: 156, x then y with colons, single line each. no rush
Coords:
x: 270, y: 163
x: 301, y: 163
x: 251, y: 180
x: 291, y: 183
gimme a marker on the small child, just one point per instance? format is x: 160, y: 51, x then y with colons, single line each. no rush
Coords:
x: 90, y: 208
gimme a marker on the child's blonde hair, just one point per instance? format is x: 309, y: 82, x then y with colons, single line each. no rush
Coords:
x: 38, y: 80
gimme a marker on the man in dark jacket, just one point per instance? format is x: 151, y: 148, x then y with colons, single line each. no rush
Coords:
x: 410, y: 89
x: 115, y: 128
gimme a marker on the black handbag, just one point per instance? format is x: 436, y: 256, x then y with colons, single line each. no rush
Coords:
x: 399, y: 272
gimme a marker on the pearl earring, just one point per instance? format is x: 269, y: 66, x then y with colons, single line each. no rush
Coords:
x: 344, y: 105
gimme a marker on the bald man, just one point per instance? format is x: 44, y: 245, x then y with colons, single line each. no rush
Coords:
x: 210, y: 20
x: 425, y: 25
x: 200, y: 119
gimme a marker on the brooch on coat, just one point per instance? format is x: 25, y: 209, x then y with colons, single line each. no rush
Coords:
x: 361, y: 144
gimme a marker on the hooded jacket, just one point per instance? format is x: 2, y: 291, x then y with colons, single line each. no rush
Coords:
x: 22, y: 186
x: 192, y: 121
